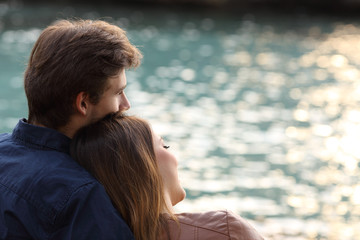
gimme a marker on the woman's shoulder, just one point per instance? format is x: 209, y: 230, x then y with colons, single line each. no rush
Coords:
x: 208, y: 219
x: 216, y: 223
x: 240, y: 228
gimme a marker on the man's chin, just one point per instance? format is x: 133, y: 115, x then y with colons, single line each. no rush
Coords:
x: 109, y: 115
x: 119, y: 113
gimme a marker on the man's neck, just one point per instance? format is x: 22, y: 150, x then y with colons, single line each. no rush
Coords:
x: 36, y: 124
x: 67, y: 130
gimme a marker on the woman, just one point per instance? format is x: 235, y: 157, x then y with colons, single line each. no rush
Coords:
x: 140, y: 175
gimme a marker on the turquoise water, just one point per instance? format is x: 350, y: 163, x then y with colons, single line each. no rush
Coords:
x: 261, y: 109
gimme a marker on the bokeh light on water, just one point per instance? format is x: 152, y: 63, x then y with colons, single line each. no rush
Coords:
x: 263, y: 111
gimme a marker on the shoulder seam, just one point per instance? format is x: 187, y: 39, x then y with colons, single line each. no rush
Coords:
x: 67, y: 198
x: 209, y: 229
x: 36, y: 204
x: 31, y: 202
x: 227, y: 223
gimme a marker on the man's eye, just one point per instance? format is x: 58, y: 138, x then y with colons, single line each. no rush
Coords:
x: 119, y: 93
x: 166, y: 146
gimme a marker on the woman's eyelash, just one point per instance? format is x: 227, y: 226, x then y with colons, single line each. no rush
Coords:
x: 166, y: 146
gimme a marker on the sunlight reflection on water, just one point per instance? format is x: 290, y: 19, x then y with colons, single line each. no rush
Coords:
x: 265, y: 120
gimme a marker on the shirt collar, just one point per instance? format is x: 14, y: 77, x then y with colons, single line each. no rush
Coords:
x: 41, y: 136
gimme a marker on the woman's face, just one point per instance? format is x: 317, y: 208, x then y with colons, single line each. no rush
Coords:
x: 168, y: 163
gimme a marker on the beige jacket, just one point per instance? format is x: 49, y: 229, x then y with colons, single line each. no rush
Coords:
x: 214, y: 225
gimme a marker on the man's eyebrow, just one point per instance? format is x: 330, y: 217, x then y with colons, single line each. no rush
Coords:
x: 122, y: 88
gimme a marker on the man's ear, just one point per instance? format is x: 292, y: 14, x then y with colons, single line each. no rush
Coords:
x: 82, y: 103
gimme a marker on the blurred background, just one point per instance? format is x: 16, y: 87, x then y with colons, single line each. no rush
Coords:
x: 259, y: 100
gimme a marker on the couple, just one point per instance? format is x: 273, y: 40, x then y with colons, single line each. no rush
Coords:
x: 123, y: 183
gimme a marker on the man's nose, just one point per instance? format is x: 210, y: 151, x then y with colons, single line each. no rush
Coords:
x: 125, y: 104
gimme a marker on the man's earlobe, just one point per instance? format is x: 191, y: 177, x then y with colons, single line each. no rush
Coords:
x: 81, y: 103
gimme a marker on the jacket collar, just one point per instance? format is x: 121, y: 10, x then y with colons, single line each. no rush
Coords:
x: 41, y: 137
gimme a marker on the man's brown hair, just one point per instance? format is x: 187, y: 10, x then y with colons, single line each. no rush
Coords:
x: 70, y: 57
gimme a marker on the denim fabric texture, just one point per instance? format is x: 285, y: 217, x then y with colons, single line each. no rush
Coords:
x: 45, y: 194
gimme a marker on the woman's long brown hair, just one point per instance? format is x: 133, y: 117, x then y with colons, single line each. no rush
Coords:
x: 119, y: 152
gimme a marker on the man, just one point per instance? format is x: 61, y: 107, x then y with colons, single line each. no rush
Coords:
x: 75, y: 76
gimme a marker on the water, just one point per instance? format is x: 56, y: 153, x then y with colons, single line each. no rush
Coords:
x: 261, y: 109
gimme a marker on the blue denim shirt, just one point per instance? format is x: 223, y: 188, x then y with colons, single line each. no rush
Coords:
x: 45, y: 194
